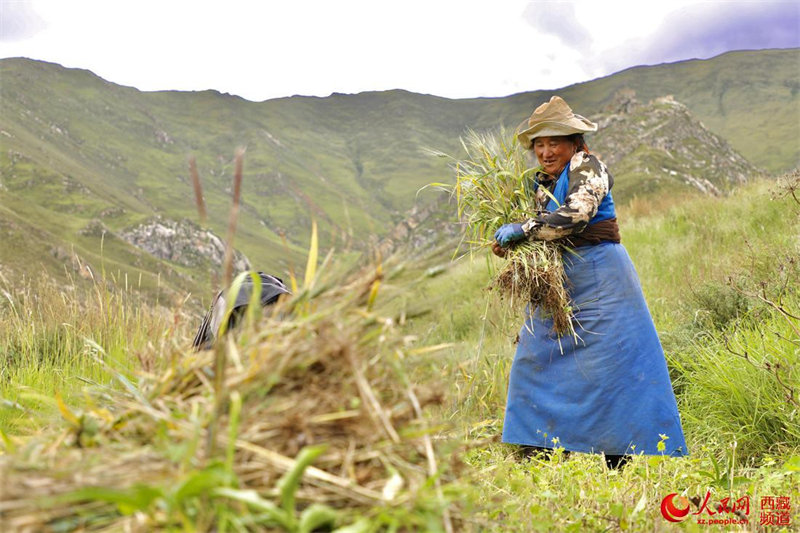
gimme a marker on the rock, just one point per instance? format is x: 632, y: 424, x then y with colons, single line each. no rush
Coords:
x: 623, y: 102
x: 420, y: 228
x: 95, y: 228
x: 76, y: 262
x: 112, y: 212
x: 163, y: 137
x: 182, y: 242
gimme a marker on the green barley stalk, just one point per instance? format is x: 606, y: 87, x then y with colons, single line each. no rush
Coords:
x: 495, y: 186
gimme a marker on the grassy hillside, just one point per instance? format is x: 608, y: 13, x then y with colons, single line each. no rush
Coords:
x: 127, y: 442
x: 749, y: 98
x: 77, y: 150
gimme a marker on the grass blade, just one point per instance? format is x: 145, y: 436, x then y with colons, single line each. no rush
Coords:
x: 313, y: 252
x: 288, y: 484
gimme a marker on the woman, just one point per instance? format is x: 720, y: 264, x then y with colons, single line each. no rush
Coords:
x: 608, y: 390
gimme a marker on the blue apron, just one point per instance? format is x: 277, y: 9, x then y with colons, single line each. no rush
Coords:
x: 606, y: 391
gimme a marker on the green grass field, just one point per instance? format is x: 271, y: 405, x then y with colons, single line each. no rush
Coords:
x: 106, y: 415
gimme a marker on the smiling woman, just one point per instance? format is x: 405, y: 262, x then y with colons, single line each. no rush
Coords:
x: 554, y: 153
x: 606, y: 389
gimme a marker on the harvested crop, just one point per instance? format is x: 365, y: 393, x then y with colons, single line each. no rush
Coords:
x: 495, y: 186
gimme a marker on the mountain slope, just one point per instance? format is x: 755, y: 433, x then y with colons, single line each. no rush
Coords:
x: 78, y: 151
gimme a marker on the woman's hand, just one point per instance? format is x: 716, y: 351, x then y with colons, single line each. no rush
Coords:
x: 498, y: 250
x: 509, y: 234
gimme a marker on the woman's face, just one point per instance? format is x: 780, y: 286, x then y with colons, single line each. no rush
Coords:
x: 553, y: 153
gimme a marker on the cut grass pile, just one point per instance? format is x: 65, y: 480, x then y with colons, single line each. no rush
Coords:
x: 224, y: 439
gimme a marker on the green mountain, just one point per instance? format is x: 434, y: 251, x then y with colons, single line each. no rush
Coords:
x: 85, y: 161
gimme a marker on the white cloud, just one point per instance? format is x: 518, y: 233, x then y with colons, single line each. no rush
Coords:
x: 266, y: 49
x: 18, y: 21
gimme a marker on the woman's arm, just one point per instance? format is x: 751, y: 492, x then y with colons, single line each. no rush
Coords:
x: 589, y: 182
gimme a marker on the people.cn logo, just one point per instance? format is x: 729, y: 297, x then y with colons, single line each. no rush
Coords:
x: 675, y: 508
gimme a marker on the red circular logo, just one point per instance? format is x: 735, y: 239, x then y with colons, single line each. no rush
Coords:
x: 671, y: 511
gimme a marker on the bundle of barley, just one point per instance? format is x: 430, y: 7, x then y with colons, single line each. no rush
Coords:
x: 494, y: 186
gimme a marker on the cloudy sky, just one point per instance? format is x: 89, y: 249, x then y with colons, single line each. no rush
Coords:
x: 453, y: 48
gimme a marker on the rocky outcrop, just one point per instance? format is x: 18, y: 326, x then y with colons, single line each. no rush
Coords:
x: 95, y: 228
x: 182, y: 242
x: 660, y: 141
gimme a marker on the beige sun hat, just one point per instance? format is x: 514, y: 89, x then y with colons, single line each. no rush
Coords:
x: 552, y: 119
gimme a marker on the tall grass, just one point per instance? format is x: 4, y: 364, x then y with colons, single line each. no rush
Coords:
x: 192, y: 446
x: 59, y: 338
x: 743, y: 384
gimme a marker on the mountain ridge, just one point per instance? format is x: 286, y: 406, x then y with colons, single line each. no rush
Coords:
x: 401, y: 89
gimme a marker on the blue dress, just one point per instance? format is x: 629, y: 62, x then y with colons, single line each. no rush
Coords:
x: 606, y: 391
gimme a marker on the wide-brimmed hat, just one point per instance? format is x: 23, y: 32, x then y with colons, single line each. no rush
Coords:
x: 552, y: 119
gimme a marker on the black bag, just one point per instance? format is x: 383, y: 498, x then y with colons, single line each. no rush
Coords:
x: 271, y: 289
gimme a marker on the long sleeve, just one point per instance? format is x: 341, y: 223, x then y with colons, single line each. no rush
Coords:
x: 589, y: 182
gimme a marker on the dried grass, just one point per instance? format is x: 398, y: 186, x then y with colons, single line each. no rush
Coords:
x: 329, y: 372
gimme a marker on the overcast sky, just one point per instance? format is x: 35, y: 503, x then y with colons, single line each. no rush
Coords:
x: 462, y: 48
